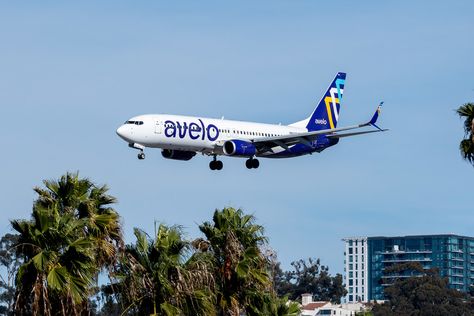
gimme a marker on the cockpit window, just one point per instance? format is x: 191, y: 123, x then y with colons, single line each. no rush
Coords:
x: 134, y: 122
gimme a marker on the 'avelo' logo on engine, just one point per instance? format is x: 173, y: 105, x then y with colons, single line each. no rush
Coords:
x: 320, y: 121
x: 194, y: 130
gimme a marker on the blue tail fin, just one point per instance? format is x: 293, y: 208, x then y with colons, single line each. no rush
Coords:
x: 326, y: 114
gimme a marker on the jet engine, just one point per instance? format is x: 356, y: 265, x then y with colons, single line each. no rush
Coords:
x: 177, y: 154
x: 239, y: 148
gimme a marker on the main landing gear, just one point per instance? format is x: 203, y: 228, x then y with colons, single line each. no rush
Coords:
x: 216, y: 164
x: 252, y: 163
x: 141, y: 155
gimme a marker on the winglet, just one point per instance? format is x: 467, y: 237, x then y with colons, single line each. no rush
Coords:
x: 374, y: 118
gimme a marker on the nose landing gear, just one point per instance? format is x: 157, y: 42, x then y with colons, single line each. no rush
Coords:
x: 252, y: 163
x: 141, y: 154
x: 216, y: 164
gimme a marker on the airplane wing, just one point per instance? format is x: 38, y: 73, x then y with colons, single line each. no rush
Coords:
x: 267, y: 143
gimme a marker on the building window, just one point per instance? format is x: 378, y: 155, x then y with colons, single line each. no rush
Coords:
x: 350, y: 250
x: 350, y: 266
x: 350, y: 259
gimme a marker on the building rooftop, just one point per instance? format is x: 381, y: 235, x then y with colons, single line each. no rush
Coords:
x: 407, y: 236
x: 314, y: 305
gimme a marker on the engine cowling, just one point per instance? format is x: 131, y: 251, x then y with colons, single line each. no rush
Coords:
x: 177, y: 154
x: 239, y: 148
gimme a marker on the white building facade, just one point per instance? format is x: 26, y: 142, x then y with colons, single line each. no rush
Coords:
x: 356, y: 269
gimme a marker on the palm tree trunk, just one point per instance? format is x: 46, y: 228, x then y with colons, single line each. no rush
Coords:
x: 472, y: 130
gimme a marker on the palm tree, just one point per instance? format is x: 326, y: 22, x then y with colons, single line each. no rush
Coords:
x: 240, y: 268
x: 72, y: 235
x: 466, y: 146
x: 84, y: 200
x: 159, y: 276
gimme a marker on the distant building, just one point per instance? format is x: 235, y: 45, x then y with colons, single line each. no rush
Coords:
x: 366, y: 259
x: 356, y: 269
x: 310, y: 308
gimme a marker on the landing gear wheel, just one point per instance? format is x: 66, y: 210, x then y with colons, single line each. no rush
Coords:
x: 255, y: 163
x: 252, y: 163
x: 216, y: 165
x: 248, y: 163
x: 141, y: 156
x: 212, y: 165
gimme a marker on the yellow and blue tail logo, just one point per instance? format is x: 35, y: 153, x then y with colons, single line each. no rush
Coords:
x: 326, y: 114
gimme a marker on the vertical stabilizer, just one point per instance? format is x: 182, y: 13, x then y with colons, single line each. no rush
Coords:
x: 326, y: 114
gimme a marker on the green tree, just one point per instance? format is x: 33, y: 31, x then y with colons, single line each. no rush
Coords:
x: 73, y: 234
x: 159, y: 276
x: 242, y: 277
x: 309, y: 276
x: 423, y: 294
x: 466, y: 146
x: 11, y: 263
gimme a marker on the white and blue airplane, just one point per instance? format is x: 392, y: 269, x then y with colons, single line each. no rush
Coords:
x: 181, y: 137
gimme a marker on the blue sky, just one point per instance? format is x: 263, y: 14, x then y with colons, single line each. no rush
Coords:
x: 71, y: 73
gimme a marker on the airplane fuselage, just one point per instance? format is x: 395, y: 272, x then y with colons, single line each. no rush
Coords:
x: 205, y: 135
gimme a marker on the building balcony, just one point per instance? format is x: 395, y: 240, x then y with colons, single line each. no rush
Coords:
x: 457, y: 259
x: 457, y: 275
x: 393, y: 252
x: 407, y: 260
x: 399, y: 276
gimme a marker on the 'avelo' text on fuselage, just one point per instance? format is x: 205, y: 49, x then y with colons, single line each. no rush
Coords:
x: 192, y: 129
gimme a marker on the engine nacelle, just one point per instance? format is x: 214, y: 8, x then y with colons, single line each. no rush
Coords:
x: 177, y: 154
x: 239, y: 148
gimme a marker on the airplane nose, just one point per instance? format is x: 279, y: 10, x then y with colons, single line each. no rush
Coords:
x: 121, y: 132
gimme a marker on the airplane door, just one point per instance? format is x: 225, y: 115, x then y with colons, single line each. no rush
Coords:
x: 158, y: 127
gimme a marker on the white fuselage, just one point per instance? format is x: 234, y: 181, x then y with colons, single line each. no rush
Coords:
x: 189, y: 133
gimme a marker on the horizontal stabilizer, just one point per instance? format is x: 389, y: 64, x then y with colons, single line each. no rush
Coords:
x: 355, y: 133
